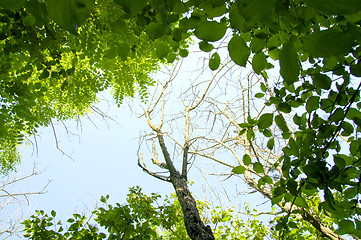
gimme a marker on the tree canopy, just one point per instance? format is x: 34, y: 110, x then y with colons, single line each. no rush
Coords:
x: 56, y: 55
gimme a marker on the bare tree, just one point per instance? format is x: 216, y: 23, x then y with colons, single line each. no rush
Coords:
x: 12, y: 201
x: 207, y: 127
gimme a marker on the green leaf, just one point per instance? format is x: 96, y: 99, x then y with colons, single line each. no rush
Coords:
x: 205, y: 46
x: 284, y: 107
x: 29, y: 20
x: 214, y: 62
x: 312, y: 104
x: 53, y: 213
x: 247, y: 160
x: 69, y: 14
x: 292, y: 187
x: 345, y: 227
x: 328, y: 43
x: 12, y: 4
x: 239, y: 170
x: 250, y: 135
x: 258, y: 168
x: 210, y: 31
x: 259, y: 95
x: 162, y: 49
x: 356, y: 69
x: 289, y: 63
x: 271, y: 143
x: 337, y: 115
x: 321, y: 81
x: 257, y: 44
x: 123, y: 50
x: 183, y: 53
x: 259, y: 62
x: 238, y: 50
x: 156, y: 30
x: 281, y: 123
x: 301, y: 202
x: 335, y: 7
x: 132, y: 7
x: 267, y: 133
x: 265, y: 121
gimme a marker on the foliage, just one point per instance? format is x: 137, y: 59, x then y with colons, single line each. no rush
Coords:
x: 316, y: 45
x: 141, y: 218
x: 54, y: 70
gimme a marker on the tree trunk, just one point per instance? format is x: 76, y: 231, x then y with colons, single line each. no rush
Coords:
x: 193, y: 222
x: 194, y: 225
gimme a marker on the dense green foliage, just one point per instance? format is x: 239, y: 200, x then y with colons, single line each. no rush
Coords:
x: 315, y: 43
x: 51, y: 73
x: 143, y: 217
x: 317, y: 47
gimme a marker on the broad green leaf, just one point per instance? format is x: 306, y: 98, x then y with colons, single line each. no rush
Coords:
x: 259, y: 62
x: 335, y: 6
x: 328, y: 43
x: 312, y: 104
x: 256, y: 10
x: 284, y: 107
x: 271, y: 143
x: 259, y: 95
x: 156, y: 30
x: 12, y: 4
x: 210, y: 31
x: 120, y: 27
x: 301, y: 202
x: 162, y: 49
x: 132, y: 7
x: 337, y: 115
x: 69, y: 14
x: 356, y: 69
x: 239, y: 170
x: 281, y: 123
x: 258, y: 168
x: 237, y: 20
x: 183, y: 53
x: 123, y: 50
x: 205, y: 46
x: 214, y: 62
x: 265, y: 121
x: 247, y: 160
x: 292, y: 187
x: 238, y: 50
x: 345, y: 227
x: 289, y: 63
x: 267, y: 133
x: 321, y: 81
x: 29, y: 20
x: 257, y: 44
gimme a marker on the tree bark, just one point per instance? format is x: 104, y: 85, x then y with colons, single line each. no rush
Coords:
x: 194, y: 225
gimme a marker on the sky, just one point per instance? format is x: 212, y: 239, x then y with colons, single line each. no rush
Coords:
x: 99, y: 156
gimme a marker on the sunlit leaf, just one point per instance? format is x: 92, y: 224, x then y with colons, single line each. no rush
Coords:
x: 210, y: 31
x: 247, y: 160
x: 265, y: 121
x: 239, y: 170
x: 328, y: 43
x: 259, y: 62
x: 258, y: 168
x: 214, y: 61
x: 289, y: 63
x: 238, y: 50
